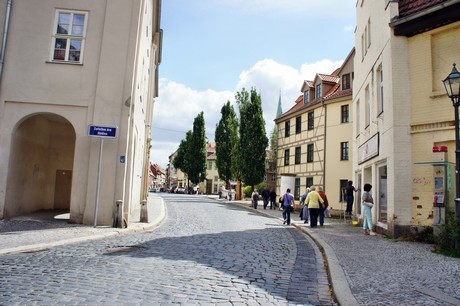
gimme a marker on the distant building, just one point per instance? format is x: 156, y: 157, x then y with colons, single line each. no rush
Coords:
x: 212, y: 184
x: 68, y: 65
x: 175, y: 177
x: 157, y: 177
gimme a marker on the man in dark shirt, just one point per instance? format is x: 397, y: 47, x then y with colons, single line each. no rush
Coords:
x: 273, y: 199
x: 350, y: 193
x: 266, y: 196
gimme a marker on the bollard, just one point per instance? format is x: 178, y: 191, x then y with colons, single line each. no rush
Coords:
x: 144, y: 212
x: 117, y: 214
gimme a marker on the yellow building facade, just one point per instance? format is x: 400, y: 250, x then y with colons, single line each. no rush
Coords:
x: 431, y: 55
x: 314, y: 136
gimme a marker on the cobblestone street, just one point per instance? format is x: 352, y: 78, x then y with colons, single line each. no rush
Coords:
x: 204, y: 253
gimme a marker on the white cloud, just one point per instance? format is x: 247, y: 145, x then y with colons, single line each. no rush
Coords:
x: 178, y: 105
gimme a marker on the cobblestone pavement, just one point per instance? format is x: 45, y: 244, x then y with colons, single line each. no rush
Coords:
x: 203, y: 253
x: 376, y: 270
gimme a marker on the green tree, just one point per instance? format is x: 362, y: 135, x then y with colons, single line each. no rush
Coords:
x: 236, y: 164
x: 196, y: 156
x: 224, y: 137
x: 273, y: 151
x: 253, y: 139
x: 180, y: 160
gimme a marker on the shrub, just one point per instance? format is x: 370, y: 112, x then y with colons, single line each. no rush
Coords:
x: 247, y: 191
x: 449, y: 235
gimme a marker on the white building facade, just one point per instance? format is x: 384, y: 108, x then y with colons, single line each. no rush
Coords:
x: 68, y: 65
x: 382, y: 110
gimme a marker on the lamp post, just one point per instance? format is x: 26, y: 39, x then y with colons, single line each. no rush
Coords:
x: 452, y: 84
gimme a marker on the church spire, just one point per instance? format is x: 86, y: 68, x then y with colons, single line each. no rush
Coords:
x: 279, y: 111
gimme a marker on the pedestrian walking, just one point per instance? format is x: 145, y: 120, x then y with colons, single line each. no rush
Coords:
x: 368, y: 203
x: 273, y: 199
x: 313, y: 201
x: 288, y: 206
x: 304, y: 213
x: 324, y: 206
x: 350, y: 193
x: 255, y: 198
x: 265, y: 196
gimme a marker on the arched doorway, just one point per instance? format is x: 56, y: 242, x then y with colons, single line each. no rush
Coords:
x: 40, y: 165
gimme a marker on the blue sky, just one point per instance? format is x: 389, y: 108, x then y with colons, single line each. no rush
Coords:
x: 213, y: 48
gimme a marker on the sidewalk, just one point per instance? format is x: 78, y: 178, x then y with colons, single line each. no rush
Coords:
x: 39, y: 230
x: 375, y: 270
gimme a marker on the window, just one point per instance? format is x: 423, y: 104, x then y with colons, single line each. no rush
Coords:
x: 69, y: 36
x: 345, y: 113
x: 215, y: 188
x: 358, y: 118
x: 297, y: 155
x: 368, y: 33
x: 287, y: 128
x: 318, y: 91
x: 310, y: 153
x: 297, y: 188
x: 343, y: 187
x: 209, y: 165
x: 306, y: 96
x: 286, y: 157
x: 309, y: 181
x: 366, y: 39
x: 298, y: 125
x: 344, y: 150
x: 380, y: 94
x: 311, y: 120
x: 346, y: 81
x: 367, y: 118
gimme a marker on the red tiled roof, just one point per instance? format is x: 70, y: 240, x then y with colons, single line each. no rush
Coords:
x: 407, y: 7
x: 336, y: 71
x: 328, y: 78
x: 338, y: 94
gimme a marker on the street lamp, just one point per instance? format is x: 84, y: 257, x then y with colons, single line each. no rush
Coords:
x: 452, y: 84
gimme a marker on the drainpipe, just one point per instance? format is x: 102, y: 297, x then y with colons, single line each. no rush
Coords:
x: 5, y: 34
x: 325, y: 141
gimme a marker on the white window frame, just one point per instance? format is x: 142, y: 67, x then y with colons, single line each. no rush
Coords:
x: 319, y: 89
x: 69, y: 37
x: 380, y: 88
x: 306, y: 96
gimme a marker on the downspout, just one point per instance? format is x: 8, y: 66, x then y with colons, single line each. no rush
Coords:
x: 325, y: 142
x: 5, y: 34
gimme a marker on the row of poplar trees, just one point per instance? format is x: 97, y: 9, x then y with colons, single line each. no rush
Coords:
x: 240, y: 144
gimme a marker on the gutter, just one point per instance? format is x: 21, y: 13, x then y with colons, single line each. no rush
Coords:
x: 5, y: 34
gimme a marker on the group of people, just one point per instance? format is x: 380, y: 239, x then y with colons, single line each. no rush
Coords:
x: 315, y: 205
x: 268, y: 198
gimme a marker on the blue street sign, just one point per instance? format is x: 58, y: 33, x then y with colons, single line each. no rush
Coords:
x: 102, y: 131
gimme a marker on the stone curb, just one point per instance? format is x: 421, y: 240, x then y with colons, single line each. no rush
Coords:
x: 133, y: 228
